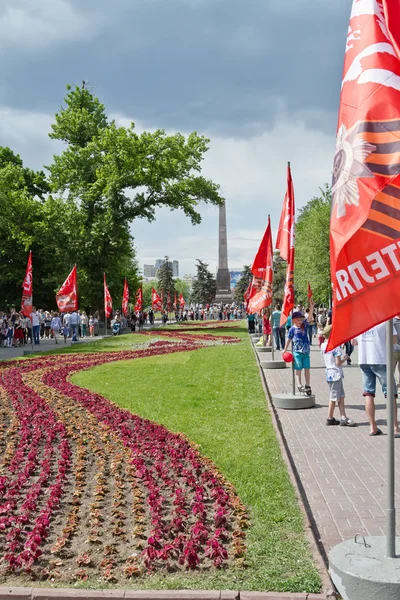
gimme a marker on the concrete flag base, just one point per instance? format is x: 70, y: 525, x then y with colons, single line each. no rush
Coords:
x: 360, y: 569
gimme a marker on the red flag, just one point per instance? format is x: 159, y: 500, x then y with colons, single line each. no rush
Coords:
x: 139, y: 300
x: 263, y: 274
x: 175, y: 303
x: 285, y: 237
x: 125, y: 298
x: 27, y: 289
x: 67, y: 295
x: 169, y: 301
x: 309, y: 292
x: 107, y: 300
x: 156, y: 301
x: 182, y: 301
x: 365, y: 217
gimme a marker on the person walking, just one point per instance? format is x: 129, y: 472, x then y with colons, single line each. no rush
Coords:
x: 56, y: 326
x: 35, y: 326
x: 372, y: 362
x: 277, y: 330
x: 84, y: 323
x: 74, y: 324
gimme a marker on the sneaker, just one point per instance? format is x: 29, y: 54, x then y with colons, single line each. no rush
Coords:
x: 349, y: 361
x: 332, y: 421
x: 346, y: 422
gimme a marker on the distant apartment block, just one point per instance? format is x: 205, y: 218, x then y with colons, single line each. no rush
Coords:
x: 149, y: 271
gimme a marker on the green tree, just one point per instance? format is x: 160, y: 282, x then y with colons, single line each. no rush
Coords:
x: 147, y: 285
x: 182, y: 287
x: 278, y: 288
x: 242, y: 284
x: 115, y: 175
x: 165, y: 281
x: 312, y: 258
x: 204, y: 286
x: 30, y: 221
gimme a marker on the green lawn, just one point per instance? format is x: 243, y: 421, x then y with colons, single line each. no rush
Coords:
x: 215, y: 396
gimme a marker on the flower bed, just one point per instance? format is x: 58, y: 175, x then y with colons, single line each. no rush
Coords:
x: 92, y: 491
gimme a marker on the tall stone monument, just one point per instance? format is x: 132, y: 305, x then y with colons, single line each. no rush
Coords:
x: 223, y: 294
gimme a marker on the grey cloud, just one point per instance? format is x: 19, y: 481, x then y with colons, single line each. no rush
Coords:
x: 227, y: 67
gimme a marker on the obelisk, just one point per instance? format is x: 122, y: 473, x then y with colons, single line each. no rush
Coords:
x: 223, y: 278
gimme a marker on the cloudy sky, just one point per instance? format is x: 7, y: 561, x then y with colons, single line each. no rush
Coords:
x: 260, y: 78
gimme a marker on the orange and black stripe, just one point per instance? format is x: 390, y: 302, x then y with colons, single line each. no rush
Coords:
x: 384, y: 217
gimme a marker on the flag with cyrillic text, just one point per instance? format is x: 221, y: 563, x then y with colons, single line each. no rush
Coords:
x: 365, y: 218
x: 125, y: 298
x: 27, y: 289
x: 107, y: 300
x: 67, y: 295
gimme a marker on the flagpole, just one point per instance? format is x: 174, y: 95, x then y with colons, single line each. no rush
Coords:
x: 390, y: 407
x: 293, y: 373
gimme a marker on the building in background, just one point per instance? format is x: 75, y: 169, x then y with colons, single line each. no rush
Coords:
x: 149, y: 271
x: 189, y: 279
x: 174, y: 264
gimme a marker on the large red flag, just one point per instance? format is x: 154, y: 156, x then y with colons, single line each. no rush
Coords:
x: 182, y: 301
x: 27, y: 289
x: 156, y: 301
x: 107, y: 300
x: 309, y: 292
x: 285, y: 237
x: 139, y: 300
x: 67, y: 295
x: 169, y: 301
x: 175, y: 303
x: 125, y: 298
x: 263, y: 273
x: 365, y: 218
x: 285, y: 244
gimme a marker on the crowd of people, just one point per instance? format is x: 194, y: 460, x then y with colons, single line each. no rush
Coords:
x: 17, y: 329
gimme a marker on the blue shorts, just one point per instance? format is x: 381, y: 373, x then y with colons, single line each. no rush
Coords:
x: 370, y: 373
x: 301, y: 361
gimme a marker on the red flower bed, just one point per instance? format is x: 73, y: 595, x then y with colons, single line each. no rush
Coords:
x: 91, y: 490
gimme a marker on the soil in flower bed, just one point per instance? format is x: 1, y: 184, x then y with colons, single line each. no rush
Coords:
x: 91, y: 492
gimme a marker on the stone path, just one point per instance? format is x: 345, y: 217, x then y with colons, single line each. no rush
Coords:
x: 341, y: 470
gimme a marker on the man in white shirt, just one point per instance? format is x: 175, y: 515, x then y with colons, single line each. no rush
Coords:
x: 35, y: 326
x: 372, y: 362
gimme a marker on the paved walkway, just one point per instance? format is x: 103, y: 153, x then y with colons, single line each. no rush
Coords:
x: 342, y: 470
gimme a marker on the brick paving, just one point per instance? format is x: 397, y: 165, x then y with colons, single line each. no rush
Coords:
x: 342, y: 471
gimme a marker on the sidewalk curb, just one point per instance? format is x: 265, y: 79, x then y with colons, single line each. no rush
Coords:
x: 21, y: 593
x: 311, y: 529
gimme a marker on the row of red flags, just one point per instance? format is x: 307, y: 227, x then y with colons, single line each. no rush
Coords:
x: 259, y: 292
x: 67, y: 295
x: 157, y: 301
x: 365, y: 217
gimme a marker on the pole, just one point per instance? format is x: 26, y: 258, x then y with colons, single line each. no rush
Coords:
x: 390, y: 406
x: 293, y: 373
x: 105, y: 319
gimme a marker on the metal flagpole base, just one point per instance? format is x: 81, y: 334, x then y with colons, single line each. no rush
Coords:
x: 360, y: 569
x: 293, y: 401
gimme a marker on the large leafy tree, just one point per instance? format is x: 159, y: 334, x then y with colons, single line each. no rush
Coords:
x: 182, y: 287
x: 242, y: 284
x: 312, y: 258
x: 165, y: 281
x: 30, y: 221
x: 116, y: 175
x: 278, y: 288
x: 205, y: 284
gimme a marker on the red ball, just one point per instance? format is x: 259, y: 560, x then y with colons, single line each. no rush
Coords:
x: 287, y: 357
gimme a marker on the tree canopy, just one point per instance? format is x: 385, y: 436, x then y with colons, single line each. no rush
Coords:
x: 242, y: 284
x: 105, y: 177
x: 312, y: 258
